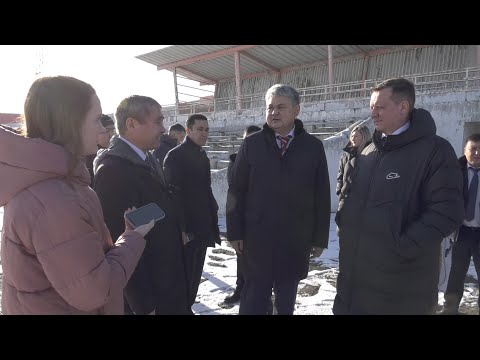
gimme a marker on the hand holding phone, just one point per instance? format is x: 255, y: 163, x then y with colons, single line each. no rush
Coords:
x: 144, y: 215
x: 142, y: 229
x: 145, y: 228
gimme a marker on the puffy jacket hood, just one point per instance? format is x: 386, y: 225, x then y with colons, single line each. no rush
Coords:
x: 421, y: 125
x: 27, y: 161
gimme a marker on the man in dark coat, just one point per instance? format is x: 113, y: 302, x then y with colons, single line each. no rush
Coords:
x: 235, y: 297
x: 176, y: 135
x: 103, y: 140
x: 403, y: 198
x: 468, y: 240
x: 127, y: 174
x: 187, y: 169
x: 278, y: 205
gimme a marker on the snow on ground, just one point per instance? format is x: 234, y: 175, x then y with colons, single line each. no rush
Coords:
x: 315, y: 293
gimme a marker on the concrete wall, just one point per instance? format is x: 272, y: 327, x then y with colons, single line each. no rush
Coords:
x: 451, y: 112
x: 324, y: 111
x: 219, y: 188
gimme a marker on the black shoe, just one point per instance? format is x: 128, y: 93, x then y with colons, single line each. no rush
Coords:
x: 232, y: 299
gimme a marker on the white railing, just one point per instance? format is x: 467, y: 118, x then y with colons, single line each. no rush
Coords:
x: 442, y: 81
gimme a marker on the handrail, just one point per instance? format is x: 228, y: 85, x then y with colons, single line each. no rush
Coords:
x: 446, y: 80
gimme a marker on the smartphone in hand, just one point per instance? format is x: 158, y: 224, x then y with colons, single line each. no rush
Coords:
x: 144, y: 215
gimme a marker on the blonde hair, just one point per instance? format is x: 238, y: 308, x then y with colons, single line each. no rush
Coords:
x: 55, y: 110
x: 366, y: 135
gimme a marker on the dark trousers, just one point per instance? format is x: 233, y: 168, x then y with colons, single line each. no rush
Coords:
x: 241, y: 281
x: 240, y: 277
x: 341, y: 308
x: 467, y: 245
x: 257, y: 294
x: 194, y: 260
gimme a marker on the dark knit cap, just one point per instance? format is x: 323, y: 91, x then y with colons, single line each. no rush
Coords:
x: 106, y: 120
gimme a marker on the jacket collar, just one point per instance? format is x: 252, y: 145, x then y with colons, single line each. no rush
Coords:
x: 421, y: 125
x: 298, y: 124
x: 189, y: 143
x: 119, y: 148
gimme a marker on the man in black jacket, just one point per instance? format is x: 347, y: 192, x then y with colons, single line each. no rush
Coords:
x: 187, y: 169
x: 403, y: 198
x: 128, y: 174
x: 103, y: 140
x: 278, y: 205
x: 468, y: 240
x: 176, y: 135
x: 235, y: 297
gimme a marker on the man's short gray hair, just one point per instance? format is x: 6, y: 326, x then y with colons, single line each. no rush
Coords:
x: 283, y: 90
x: 135, y: 106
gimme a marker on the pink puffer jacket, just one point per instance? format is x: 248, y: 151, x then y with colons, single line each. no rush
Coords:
x: 57, y: 253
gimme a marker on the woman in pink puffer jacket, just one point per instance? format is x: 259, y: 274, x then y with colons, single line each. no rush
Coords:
x: 57, y: 253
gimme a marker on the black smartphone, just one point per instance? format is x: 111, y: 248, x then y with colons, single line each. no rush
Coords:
x: 144, y: 214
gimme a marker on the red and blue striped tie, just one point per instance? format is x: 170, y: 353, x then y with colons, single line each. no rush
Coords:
x: 284, y: 143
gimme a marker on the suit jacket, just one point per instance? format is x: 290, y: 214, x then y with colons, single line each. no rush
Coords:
x: 187, y: 168
x: 122, y: 180
x: 279, y: 205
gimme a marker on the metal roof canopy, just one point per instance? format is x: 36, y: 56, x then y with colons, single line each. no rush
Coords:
x: 210, y: 64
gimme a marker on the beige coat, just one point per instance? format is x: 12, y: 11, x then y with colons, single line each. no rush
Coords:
x: 57, y: 253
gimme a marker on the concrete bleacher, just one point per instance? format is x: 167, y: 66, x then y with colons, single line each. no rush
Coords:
x: 220, y: 146
x: 455, y: 110
x: 222, y: 143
